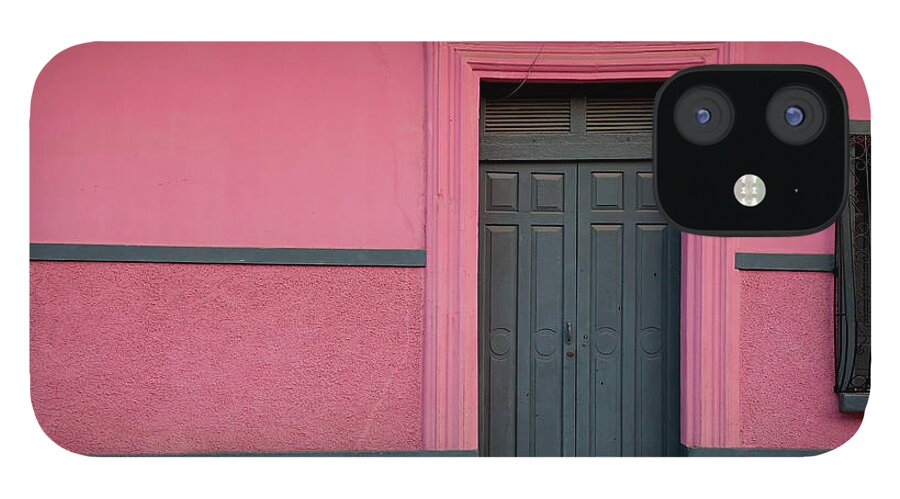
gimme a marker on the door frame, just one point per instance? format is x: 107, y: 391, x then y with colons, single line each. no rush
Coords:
x: 454, y: 72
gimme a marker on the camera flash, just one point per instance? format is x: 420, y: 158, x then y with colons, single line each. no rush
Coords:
x: 750, y: 190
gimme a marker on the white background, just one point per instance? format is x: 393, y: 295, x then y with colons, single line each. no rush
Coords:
x: 32, y: 33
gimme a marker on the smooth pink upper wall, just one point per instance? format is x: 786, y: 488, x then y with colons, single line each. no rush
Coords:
x: 787, y: 362
x: 230, y: 144
x: 145, y: 358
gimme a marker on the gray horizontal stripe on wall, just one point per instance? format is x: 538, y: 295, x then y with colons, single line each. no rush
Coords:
x: 258, y: 256
x: 784, y: 261
x: 750, y: 452
x: 853, y: 402
x: 860, y: 127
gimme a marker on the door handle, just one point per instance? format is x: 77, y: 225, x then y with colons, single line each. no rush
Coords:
x: 568, y: 332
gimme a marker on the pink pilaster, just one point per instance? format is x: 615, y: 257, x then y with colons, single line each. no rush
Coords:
x: 710, y: 376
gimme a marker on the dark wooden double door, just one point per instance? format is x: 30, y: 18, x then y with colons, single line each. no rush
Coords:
x: 578, y: 311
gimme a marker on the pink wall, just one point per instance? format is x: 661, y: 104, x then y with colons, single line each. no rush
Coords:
x: 787, y: 362
x: 170, y: 358
x: 316, y: 145
x: 230, y: 144
x: 305, y: 145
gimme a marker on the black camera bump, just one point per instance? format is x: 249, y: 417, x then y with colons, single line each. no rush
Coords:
x: 747, y: 150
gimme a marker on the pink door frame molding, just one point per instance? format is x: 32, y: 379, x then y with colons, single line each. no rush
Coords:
x: 454, y: 72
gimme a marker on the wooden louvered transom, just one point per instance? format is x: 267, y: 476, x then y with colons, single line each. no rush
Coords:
x: 590, y: 121
x: 619, y: 115
x: 528, y: 115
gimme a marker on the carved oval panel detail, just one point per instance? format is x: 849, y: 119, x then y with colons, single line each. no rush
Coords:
x: 546, y: 342
x: 606, y: 340
x: 501, y: 341
x: 651, y: 340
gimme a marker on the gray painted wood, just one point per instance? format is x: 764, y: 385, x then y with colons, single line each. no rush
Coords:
x: 578, y: 144
x: 514, y: 147
x: 582, y: 244
x: 628, y: 305
x: 527, y: 294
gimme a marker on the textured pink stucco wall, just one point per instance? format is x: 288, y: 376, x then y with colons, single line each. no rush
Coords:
x: 787, y: 362
x: 171, y: 358
x: 310, y: 145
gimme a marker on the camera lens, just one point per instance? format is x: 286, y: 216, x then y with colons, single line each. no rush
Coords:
x: 796, y: 115
x: 703, y: 116
x: 793, y: 115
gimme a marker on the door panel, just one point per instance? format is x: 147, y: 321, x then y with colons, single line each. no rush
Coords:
x: 603, y: 356
x: 628, y: 329
x: 649, y: 302
x: 527, y: 258
x: 546, y: 302
x: 501, y: 250
x: 578, y: 245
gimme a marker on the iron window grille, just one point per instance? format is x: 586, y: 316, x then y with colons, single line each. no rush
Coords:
x: 853, y: 281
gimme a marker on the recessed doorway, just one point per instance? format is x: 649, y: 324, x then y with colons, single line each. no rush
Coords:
x: 578, y: 276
